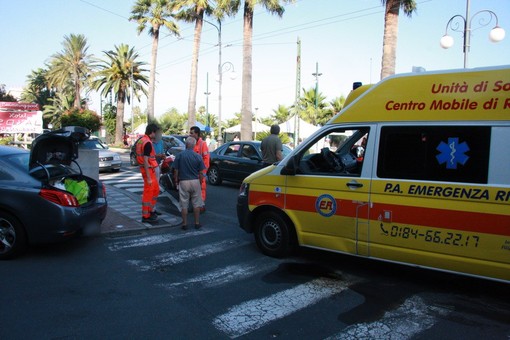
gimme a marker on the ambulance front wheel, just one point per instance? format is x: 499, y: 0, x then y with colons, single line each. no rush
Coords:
x: 273, y: 234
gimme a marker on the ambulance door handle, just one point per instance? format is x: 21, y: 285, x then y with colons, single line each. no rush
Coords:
x: 354, y: 184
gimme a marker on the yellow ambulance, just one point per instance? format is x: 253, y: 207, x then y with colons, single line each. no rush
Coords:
x: 413, y: 170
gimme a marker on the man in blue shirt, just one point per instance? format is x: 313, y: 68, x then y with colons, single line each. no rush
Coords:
x: 157, y: 143
x: 189, y: 175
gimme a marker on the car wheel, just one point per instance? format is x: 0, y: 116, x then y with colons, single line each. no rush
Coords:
x: 272, y: 234
x: 213, y: 176
x: 132, y: 159
x: 13, y: 240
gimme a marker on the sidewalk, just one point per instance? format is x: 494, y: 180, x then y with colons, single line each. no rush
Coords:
x: 125, y: 211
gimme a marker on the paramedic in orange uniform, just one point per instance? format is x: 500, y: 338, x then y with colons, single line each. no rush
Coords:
x: 203, y: 150
x: 146, y: 158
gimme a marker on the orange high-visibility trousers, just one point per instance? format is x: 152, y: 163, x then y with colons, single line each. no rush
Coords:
x: 203, y: 186
x: 150, y: 192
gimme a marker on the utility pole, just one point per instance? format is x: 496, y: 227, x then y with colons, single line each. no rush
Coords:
x: 298, y: 87
x: 207, y: 93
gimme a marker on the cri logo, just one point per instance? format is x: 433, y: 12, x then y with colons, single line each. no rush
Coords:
x: 325, y: 205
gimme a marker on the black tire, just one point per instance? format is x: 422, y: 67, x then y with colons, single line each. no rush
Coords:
x: 13, y: 240
x: 132, y: 159
x: 272, y: 234
x: 213, y: 175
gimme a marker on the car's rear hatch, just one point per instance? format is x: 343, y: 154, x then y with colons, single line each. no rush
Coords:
x: 50, y: 161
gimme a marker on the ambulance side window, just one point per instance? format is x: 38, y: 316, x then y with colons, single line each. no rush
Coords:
x: 338, y: 152
x: 435, y: 153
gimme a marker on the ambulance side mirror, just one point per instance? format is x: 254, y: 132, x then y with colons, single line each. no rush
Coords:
x: 290, y: 167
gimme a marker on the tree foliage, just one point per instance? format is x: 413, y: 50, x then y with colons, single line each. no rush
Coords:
x: 172, y: 122
x: 119, y: 73
x: 79, y: 117
x: 72, y: 66
x: 4, y: 96
x: 151, y: 15
x: 38, y: 89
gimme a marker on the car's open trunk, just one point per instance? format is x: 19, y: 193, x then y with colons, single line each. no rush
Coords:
x: 50, y: 161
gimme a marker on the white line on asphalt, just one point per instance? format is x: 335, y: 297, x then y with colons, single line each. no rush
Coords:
x: 251, y: 315
x: 130, y: 179
x: 120, y: 176
x: 129, y: 184
x: 222, y: 276
x: 155, y: 239
x: 412, y: 317
x: 134, y: 190
x: 169, y: 259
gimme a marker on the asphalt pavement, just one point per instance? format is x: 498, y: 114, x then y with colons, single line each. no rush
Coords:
x: 125, y: 212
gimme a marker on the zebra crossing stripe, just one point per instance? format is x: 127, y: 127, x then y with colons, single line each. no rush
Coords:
x: 170, y: 259
x: 222, y: 276
x: 411, y: 318
x: 129, y: 184
x: 155, y: 239
x: 254, y: 314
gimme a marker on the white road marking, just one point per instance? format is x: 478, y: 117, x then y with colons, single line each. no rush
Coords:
x: 128, y: 184
x: 155, y: 239
x: 254, y: 314
x: 170, y: 259
x: 222, y: 276
x: 134, y: 190
x: 412, y: 317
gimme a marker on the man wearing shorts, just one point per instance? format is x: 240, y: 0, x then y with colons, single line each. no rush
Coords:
x: 189, y: 175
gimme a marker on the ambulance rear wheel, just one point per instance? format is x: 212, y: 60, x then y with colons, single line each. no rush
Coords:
x: 272, y: 234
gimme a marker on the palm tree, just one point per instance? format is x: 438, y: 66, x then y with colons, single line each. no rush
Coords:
x: 281, y: 114
x: 38, y: 89
x: 72, y: 65
x: 273, y: 7
x: 391, y: 32
x: 312, y: 107
x: 154, y: 13
x: 193, y: 11
x: 336, y: 105
x: 119, y: 73
x: 53, y: 111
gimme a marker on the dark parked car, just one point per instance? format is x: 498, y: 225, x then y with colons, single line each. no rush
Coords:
x: 172, y: 144
x: 42, y: 198
x: 234, y: 161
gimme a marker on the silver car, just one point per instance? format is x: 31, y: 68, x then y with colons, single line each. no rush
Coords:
x: 108, y: 160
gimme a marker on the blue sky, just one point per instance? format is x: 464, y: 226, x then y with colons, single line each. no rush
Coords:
x: 343, y: 37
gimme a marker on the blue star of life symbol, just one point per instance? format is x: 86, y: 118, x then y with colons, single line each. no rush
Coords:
x: 452, y: 153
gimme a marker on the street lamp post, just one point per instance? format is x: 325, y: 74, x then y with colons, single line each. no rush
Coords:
x: 132, y: 98
x: 496, y: 34
x: 316, y: 75
x: 222, y: 68
x: 207, y: 93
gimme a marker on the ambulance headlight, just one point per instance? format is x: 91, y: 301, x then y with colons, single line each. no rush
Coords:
x: 243, y: 190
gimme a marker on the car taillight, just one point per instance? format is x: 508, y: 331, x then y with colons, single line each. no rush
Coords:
x: 59, y: 197
x: 104, y: 190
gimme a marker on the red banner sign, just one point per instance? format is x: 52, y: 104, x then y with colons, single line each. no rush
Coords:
x: 19, y: 106
x: 21, y: 122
